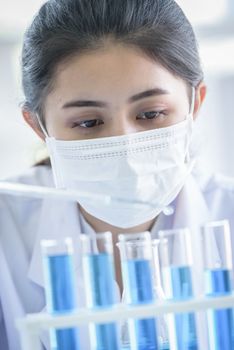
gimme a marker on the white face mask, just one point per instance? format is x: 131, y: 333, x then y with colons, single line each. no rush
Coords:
x: 149, y: 166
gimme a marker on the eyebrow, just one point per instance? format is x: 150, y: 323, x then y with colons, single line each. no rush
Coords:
x: 100, y: 104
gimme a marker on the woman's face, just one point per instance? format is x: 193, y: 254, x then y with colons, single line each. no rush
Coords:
x: 114, y: 91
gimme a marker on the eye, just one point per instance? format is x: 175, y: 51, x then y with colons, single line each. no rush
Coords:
x: 88, y: 123
x: 151, y: 115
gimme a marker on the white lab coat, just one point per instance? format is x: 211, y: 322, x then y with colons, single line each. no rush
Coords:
x: 25, y: 221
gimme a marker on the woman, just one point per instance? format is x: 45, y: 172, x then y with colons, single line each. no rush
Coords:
x: 114, y: 88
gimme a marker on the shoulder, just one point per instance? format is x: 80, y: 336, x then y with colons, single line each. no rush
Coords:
x: 219, y: 183
x: 38, y: 176
x: 219, y: 195
x: 212, y: 183
x: 17, y: 207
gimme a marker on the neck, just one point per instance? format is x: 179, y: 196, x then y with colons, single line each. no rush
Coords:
x: 101, y: 226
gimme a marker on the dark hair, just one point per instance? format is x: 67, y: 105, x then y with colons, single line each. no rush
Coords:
x: 64, y: 28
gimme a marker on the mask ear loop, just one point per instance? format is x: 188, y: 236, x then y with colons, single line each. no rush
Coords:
x: 41, y: 125
x: 58, y: 179
x: 190, y: 123
x: 192, y: 101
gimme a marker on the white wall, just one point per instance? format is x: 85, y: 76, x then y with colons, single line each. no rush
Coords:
x: 16, y: 140
x: 217, y: 124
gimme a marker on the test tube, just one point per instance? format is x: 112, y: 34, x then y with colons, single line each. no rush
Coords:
x: 176, y: 261
x: 163, y: 338
x: 216, y: 243
x: 136, y: 263
x: 60, y: 289
x: 99, y: 277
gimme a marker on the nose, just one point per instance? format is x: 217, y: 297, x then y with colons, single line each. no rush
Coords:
x: 122, y: 125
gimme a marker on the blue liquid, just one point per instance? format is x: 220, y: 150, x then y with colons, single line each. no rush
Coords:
x: 67, y: 339
x: 60, y: 291
x: 165, y: 346
x: 220, y: 322
x: 180, y: 286
x: 139, y: 289
x: 100, y: 271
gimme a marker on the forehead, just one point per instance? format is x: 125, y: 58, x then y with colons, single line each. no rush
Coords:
x: 114, y: 71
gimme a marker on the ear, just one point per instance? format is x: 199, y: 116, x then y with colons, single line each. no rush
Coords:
x: 200, y: 95
x: 31, y: 120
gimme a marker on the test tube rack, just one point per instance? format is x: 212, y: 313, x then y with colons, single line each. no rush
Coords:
x: 31, y: 326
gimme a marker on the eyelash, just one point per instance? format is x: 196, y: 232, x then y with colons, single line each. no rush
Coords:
x: 158, y: 113
x: 98, y: 122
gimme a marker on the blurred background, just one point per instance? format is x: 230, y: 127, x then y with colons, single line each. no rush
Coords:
x: 213, y: 22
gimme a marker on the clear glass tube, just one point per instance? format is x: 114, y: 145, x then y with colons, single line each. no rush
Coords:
x: 99, y: 277
x: 136, y: 263
x: 157, y: 282
x: 176, y: 260
x: 59, y: 276
x: 217, y: 255
x: 159, y: 294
